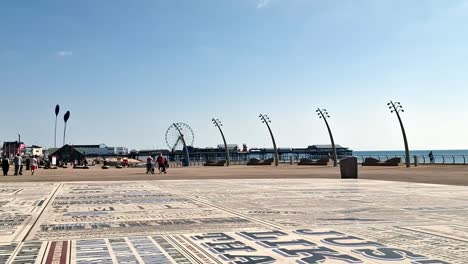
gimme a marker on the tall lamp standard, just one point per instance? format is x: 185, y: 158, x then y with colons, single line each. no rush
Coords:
x: 397, y: 108
x: 57, y: 110
x: 322, y: 113
x: 65, y: 118
x: 183, y: 141
x: 218, y: 124
x: 265, y: 119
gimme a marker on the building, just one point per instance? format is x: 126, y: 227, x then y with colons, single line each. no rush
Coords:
x: 101, y: 150
x: 34, y: 151
x: 10, y: 149
x: 118, y: 150
x: 67, y: 154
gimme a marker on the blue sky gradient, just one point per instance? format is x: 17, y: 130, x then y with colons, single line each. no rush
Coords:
x: 127, y: 69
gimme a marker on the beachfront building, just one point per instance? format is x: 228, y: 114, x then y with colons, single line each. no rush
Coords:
x: 100, y: 150
x: 66, y: 154
x: 11, y: 148
x: 34, y: 150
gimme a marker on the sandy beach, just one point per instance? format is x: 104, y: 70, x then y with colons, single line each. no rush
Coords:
x: 437, y: 174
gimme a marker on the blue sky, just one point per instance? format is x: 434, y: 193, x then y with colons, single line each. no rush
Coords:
x: 127, y: 69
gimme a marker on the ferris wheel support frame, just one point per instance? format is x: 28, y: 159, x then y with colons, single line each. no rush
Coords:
x: 185, y: 145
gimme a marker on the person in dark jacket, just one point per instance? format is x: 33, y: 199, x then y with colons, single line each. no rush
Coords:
x: 5, y: 166
x: 161, y: 163
x: 431, y: 157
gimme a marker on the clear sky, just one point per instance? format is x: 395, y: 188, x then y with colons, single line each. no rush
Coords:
x: 127, y: 69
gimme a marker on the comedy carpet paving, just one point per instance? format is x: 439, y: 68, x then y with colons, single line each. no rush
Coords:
x: 233, y: 221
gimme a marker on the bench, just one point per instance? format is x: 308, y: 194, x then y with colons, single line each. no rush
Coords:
x: 214, y: 163
x: 376, y: 162
x: 255, y: 162
x: 320, y: 162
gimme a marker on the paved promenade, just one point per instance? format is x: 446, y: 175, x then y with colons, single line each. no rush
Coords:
x: 233, y: 221
x: 440, y: 174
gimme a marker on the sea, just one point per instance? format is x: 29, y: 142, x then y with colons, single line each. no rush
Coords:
x: 440, y: 156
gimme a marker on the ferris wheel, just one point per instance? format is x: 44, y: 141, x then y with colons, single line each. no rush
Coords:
x: 177, y: 133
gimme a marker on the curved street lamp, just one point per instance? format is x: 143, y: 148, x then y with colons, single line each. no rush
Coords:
x: 65, y: 118
x: 218, y: 124
x: 397, y: 108
x: 57, y: 110
x: 183, y: 141
x: 265, y: 119
x: 322, y: 113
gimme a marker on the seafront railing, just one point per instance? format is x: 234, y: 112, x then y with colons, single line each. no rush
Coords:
x: 422, y: 159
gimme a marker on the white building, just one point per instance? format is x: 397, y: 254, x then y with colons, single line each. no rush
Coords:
x: 100, y: 150
x: 34, y: 151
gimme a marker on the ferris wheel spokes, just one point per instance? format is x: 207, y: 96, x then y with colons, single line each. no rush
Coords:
x: 176, y: 143
x: 179, y: 136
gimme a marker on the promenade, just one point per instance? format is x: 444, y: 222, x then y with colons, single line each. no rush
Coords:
x: 438, y: 174
x: 235, y: 215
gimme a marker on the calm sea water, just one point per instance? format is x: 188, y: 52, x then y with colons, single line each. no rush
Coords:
x: 441, y: 156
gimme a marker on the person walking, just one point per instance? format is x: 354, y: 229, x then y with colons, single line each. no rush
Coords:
x: 431, y: 157
x: 149, y: 165
x: 18, y: 161
x: 166, y: 165
x: 5, y: 166
x: 161, y: 163
x: 34, y: 164
x: 21, y: 166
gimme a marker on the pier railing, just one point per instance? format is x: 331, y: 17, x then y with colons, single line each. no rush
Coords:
x: 422, y: 159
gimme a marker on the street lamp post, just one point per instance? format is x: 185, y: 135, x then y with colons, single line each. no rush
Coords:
x: 185, y: 145
x: 19, y: 144
x: 397, y: 108
x: 218, y: 124
x: 322, y: 113
x: 57, y: 110
x: 265, y: 119
x: 65, y: 118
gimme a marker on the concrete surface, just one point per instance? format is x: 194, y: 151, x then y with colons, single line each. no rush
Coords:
x: 308, y: 220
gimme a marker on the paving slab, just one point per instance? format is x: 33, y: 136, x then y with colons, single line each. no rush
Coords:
x: 233, y: 221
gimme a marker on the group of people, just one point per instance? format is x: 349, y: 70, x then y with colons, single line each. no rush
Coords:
x: 161, y: 161
x: 18, y: 163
